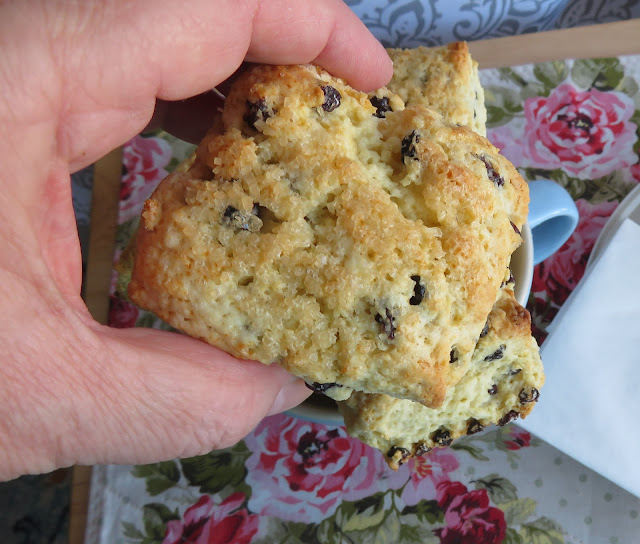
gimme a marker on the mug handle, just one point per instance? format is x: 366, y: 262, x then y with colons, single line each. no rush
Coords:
x: 553, y: 217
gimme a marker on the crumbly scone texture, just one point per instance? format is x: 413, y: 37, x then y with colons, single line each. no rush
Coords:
x: 352, y: 248
x: 443, y: 78
x: 502, y: 384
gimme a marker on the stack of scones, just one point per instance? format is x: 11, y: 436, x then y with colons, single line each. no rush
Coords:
x: 360, y: 241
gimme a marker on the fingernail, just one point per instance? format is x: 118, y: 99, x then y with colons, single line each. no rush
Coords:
x: 291, y: 394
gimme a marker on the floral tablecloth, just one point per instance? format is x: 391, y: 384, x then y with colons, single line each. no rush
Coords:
x: 576, y: 122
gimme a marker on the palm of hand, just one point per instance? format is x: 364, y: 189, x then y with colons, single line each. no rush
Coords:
x: 76, y: 81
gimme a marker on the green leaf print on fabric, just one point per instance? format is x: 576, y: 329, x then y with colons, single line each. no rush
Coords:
x: 365, y: 513
x: 503, y: 104
x: 542, y: 531
x: 426, y: 511
x: 518, y: 511
x: 635, y: 118
x: 551, y: 74
x: 500, y: 489
x: 474, y: 451
x: 603, y: 74
x: 512, y: 537
x: 131, y: 532
x: 212, y: 472
x: 612, y: 187
x: 159, y: 476
x: 155, y: 517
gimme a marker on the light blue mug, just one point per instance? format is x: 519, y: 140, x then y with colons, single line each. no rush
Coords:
x: 553, y: 217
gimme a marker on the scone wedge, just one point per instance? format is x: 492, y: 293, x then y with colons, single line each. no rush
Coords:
x: 442, y: 78
x: 360, y: 250
x: 502, y: 384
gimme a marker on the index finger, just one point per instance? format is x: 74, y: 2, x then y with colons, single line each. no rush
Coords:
x: 153, y: 49
x: 326, y: 33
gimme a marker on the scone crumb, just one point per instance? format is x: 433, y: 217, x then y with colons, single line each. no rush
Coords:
x: 151, y: 214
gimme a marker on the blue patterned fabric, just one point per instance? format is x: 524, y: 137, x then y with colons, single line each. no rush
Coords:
x: 409, y: 23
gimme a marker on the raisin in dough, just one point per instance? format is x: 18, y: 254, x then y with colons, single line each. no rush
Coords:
x: 357, y: 251
x: 502, y: 384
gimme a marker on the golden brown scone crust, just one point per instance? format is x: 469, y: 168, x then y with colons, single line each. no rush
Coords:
x: 443, y: 78
x: 351, y: 249
x: 502, y: 384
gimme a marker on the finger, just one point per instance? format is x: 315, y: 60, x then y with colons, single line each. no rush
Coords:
x: 164, y: 395
x: 175, y: 50
x: 326, y: 33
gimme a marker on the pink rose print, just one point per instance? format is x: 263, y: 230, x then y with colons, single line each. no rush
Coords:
x: 587, y: 133
x: 559, y: 274
x: 301, y: 471
x: 207, y: 523
x: 469, y: 518
x: 519, y: 438
x: 144, y: 161
x: 122, y: 314
x: 426, y: 472
x: 508, y: 143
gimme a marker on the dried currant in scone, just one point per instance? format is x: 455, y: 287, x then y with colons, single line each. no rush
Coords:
x: 404, y: 453
x: 321, y: 387
x: 493, y: 390
x: 408, y: 148
x: 258, y: 110
x: 442, y: 437
x: 492, y: 173
x: 232, y: 217
x: 497, y: 354
x: 421, y: 449
x: 453, y: 356
x: 485, y: 330
x: 508, y: 417
x: 515, y: 371
x: 419, y: 291
x: 381, y: 105
x: 332, y: 98
x: 516, y: 229
x: 531, y: 396
x: 509, y: 280
x: 388, y: 323
x: 474, y: 426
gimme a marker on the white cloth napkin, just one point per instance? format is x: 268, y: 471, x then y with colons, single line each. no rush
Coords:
x: 589, y: 407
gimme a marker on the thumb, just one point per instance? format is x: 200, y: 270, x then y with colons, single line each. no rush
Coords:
x: 163, y: 395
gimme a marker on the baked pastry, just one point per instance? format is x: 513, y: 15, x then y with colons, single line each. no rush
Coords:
x: 357, y: 250
x: 502, y: 384
x: 446, y: 79
x: 442, y: 78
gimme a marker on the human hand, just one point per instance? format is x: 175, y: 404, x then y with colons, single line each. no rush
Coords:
x: 78, y: 79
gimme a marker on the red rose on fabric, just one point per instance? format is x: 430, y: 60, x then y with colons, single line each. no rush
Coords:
x: 302, y: 471
x: 635, y: 172
x: 122, y: 314
x: 519, y: 438
x: 559, y: 274
x: 542, y: 313
x: 426, y: 472
x: 144, y: 161
x: 469, y: 517
x: 588, y: 133
x: 207, y: 523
